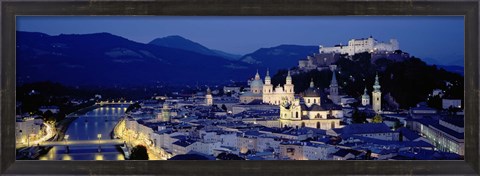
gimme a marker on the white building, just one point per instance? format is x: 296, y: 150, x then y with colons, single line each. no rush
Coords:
x: 362, y: 45
x: 446, y: 134
x: 454, y: 103
x: 27, y: 129
x: 205, y: 147
x: 268, y: 144
x: 293, y: 150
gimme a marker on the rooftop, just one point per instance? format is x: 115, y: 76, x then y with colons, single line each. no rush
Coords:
x: 184, y: 143
x: 365, y: 128
x: 345, y: 152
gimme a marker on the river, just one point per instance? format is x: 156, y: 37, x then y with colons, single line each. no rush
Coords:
x: 101, y: 121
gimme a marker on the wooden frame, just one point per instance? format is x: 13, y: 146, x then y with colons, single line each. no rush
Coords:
x: 469, y: 9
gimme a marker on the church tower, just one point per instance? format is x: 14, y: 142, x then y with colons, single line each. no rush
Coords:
x: 376, y: 96
x: 208, y: 97
x: 289, y: 92
x: 334, y: 89
x: 288, y: 85
x: 165, y: 112
x: 365, y: 98
x: 267, y: 89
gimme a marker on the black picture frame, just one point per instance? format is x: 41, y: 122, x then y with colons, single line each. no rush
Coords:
x: 467, y: 8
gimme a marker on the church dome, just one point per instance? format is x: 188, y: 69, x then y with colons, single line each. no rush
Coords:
x: 311, y: 92
x: 256, y: 83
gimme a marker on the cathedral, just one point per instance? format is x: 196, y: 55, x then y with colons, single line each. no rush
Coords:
x: 267, y: 93
x: 309, y: 113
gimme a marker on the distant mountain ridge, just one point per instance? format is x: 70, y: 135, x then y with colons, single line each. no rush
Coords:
x: 106, y: 59
x: 179, y: 42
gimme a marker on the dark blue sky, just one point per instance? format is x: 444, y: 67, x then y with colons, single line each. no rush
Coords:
x: 437, y: 37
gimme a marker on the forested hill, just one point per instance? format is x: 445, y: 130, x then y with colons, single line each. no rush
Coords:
x: 403, y: 83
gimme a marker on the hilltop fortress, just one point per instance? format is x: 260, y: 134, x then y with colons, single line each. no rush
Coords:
x: 329, y: 55
x: 361, y: 45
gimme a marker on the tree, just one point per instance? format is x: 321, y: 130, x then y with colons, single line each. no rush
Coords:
x: 139, y: 152
x: 48, y: 116
x: 435, y: 102
x: 377, y: 119
x: 133, y: 106
x: 224, y: 107
x: 358, y: 117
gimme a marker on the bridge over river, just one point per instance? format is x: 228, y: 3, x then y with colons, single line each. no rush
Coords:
x: 83, y: 136
x: 101, y: 142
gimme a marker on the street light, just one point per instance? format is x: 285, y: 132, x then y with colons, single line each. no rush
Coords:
x: 99, y: 136
x: 67, y: 150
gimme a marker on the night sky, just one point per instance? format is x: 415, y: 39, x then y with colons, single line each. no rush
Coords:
x: 439, y: 38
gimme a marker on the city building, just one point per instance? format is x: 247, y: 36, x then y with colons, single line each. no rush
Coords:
x: 422, y: 111
x: 447, y: 134
x: 370, y: 130
x: 27, y: 129
x: 451, y: 103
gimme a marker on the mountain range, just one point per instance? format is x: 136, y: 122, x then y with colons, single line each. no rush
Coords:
x: 106, y: 59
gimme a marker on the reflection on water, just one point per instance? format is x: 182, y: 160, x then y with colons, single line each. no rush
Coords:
x: 87, y: 127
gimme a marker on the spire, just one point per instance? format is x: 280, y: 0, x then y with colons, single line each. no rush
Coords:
x: 365, y: 94
x: 268, y: 75
x: 267, y: 78
x: 311, y: 83
x: 334, y: 80
x: 289, y: 78
x: 376, y: 86
x: 257, y: 76
x: 209, y: 92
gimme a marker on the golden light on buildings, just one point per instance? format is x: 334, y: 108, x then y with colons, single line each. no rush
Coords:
x: 120, y: 157
x: 66, y: 157
x: 98, y: 157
